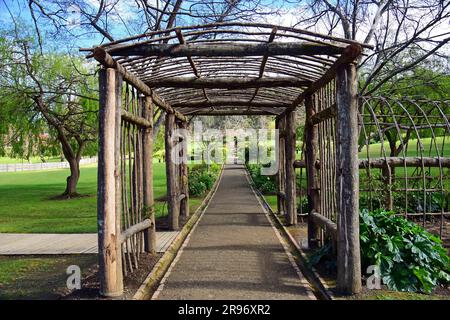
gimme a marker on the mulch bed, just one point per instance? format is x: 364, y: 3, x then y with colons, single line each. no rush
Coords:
x: 132, y: 282
x: 434, y: 225
x: 162, y: 223
x: 90, y: 283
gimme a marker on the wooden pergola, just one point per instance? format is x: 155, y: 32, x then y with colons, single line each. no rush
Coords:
x: 224, y: 69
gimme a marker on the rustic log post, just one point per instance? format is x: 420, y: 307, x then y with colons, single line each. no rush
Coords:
x: 291, y: 196
x: 110, y: 260
x: 283, y: 163
x: 312, y: 140
x: 150, y: 233
x: 184, y: 205
x: 347, y: 184
x: 118, y: 183
x: 279, y: 125
x: 171, y: 175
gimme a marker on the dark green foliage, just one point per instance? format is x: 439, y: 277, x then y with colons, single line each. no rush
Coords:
x: 410, y: 258
x: 416, y: 202
x: 302, y: 205
x: 202, y: 180
x: 265, y: 184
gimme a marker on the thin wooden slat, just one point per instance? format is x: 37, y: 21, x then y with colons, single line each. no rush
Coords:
x: 172, y: 184
x: 150, y: 234
x: 290, y: 182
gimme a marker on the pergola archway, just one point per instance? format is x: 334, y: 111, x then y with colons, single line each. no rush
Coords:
x: 223, y: 69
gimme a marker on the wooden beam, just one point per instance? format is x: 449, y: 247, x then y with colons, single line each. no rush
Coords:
x: 149, y: 203
x: 216, y: 25
x: 171, y: 174
x: 110, y: 272
x: 232, y: 113
x: 329, y: 226
x: 264, y: 61
x: 228, y: 82
x: 227, y: 50
x: 380, y: 163
x: 139, y: 121
x: 349, y: 54
x: 191, y: 62
x: 408, y: 162
x: 323, y: 115
x: 108, y: 62
x: 229, y: 102
x: 347, y: 181
x: 144, y: 225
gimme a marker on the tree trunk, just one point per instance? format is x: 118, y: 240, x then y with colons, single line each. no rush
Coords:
x: 72, y: 180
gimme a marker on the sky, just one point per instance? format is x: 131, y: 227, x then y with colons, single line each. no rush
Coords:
x: 21, y: 12
x: 127, y: 9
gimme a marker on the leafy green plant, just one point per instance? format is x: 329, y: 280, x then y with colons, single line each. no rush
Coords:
x: 266, y: 184
x: 410, y: 258
x: 302, y: 205
x: 201, y: 180
x: 196, y: 187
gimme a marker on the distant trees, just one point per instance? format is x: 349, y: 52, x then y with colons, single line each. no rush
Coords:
x: 405, y: 33
x: 112, y: 20
x: 46, y: 104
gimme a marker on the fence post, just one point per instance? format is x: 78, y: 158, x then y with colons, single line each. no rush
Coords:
x: 171, y: 175
x: 110, y: 269
x: 279, y: 125
x: 291, y: 196
x: 311, y: 140
x: 347, y: 184
x: 184, y: 205
x: 150, y: 233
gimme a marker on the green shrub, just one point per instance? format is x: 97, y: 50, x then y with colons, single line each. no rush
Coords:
x: 200, y: 180
x: 302, y: 205
x: 265, y: 184
x: 410, y: 258
x: 196, y: 187
x: 207, y: 179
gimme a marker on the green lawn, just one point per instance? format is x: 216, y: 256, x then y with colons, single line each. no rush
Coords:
x: 429, y: 148
x: 26, y: 204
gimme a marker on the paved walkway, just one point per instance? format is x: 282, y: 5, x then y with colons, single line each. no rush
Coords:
x: 75, y: 243
x: 234, y: 252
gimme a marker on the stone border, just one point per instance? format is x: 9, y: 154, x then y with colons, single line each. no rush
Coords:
x: 151, y: 284
x: 321, y: 289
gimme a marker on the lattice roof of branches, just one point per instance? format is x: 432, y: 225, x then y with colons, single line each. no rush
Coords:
x: 232, y: 68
